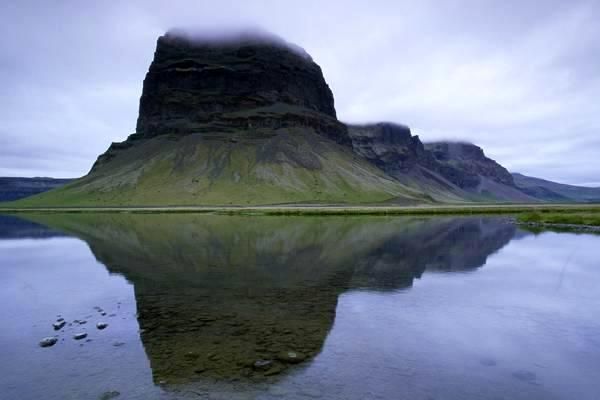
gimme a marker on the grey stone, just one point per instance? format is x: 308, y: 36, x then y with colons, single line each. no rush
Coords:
x: 262, y: 364
x: 59, y: 325
x: 109, y: 395
x: 48, y: 341
x: 101, y: 325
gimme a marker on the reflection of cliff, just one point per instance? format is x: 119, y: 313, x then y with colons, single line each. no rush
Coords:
x: 449, y: 244
x: 217, y: 294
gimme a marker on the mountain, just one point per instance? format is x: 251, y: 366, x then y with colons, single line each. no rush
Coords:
x: 393, y: 149
x: 18, y: 188
x: 447, y: 171
x: 555, y: 192
x: 244, y: 119
x: 466, y: 166
x: 248, y: 119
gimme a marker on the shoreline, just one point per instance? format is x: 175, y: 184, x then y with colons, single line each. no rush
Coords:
x: 320, y: 210
x: 575, y: 228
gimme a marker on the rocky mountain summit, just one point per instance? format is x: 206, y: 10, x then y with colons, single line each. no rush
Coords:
x: 246, y: 81
x: 392, y: 148
x: 448, y: 171
x: 466, y: 166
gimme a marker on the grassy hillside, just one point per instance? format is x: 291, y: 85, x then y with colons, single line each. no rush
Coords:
x: 291, y: 166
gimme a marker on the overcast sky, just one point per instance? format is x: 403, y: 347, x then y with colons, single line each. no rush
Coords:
x: 519, y: 78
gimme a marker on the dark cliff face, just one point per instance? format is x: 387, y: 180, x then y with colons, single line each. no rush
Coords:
x: 197, y: 85
x: 389, y: 146
x: 393, y: 149
x: 464, y: 164
x: 445, y: 170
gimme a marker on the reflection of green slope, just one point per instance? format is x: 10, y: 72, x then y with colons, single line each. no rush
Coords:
x: 285, y: 166
x: 217, y: 293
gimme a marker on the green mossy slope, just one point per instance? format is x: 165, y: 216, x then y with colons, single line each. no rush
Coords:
x: 286, y: 166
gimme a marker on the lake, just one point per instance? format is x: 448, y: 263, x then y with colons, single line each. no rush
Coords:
x: 247, y: 307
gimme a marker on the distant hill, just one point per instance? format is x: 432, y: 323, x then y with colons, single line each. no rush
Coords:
x: 18, y: 188
x: 555, y: 192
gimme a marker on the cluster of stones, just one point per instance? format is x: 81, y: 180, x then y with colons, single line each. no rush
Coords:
x: 61, y: 323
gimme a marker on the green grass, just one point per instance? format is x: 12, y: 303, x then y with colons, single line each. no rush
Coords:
x: 589, y: 218
x: 569, y: 211
x: 193, y: 171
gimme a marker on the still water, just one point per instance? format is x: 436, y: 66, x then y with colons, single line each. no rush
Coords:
x: 224, y: 307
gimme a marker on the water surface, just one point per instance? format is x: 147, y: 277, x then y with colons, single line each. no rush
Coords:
x: 228, y: 307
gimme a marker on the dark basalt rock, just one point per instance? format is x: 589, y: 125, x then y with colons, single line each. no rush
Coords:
x: 248, y: 80
x: 449, y: 169
x: 393, y: 149
x: 389, y: 146
x: 396, y: 151
x: 246, y: 85
x: 464, y: 164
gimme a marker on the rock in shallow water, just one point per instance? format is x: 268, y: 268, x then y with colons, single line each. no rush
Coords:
x: 101, y: 325
x: 79, y: 336
x: 109, y: 395
x: 48, y: 341
x: 58, y: 325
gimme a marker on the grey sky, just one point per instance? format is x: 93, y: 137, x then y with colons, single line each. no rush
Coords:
x: 519, y: 78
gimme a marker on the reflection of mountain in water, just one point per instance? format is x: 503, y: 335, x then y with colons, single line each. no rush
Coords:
x: 217, y: 294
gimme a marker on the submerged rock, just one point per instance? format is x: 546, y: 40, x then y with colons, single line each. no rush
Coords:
x: 79, y: 336
x: 109, y: 395
x: 58, y: 325
x: 101, y: 325
x: 525, y: 376
x: 48, y: 341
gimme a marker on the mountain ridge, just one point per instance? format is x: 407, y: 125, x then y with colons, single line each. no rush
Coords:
x: 249, y: 119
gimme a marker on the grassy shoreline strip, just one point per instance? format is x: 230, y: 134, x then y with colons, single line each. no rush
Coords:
x: 539, y: 210
x: 588, y: 218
